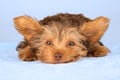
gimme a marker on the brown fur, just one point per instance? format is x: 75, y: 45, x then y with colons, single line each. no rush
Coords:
x: 61, y: 38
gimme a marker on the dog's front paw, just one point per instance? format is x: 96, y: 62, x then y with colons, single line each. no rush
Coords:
x: 27, y: 55
x: 101, y: 51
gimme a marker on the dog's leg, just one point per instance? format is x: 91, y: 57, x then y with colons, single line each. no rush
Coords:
x: 98, y: 50
x: 27, y: 55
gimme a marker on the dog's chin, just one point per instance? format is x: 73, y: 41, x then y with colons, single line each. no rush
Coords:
x: 57, y: 62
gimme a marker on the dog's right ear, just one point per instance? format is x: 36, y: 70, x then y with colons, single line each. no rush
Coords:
x: 27, y: 26
x: 94, y: 30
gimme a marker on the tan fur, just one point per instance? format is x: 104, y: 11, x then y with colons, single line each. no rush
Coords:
x: 94, y: 30
x: 61, y: 38
x: 27, y: 26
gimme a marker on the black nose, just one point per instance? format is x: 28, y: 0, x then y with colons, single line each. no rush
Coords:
x: 58, y: 56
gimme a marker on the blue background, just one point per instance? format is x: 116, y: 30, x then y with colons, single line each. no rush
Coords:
x: 42, y: 8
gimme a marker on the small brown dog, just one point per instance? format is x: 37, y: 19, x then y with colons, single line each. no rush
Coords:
x: 61, y: 38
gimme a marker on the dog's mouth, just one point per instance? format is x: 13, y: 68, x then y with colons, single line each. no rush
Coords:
x: 58, y: 59
x: 73, y: 59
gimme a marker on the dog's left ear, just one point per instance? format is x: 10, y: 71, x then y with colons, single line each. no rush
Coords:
x: 94, y: 29
x: 27, y: 26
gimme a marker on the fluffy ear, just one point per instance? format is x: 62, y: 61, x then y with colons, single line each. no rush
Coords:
x: 27, y: 26
x: 94, y: 29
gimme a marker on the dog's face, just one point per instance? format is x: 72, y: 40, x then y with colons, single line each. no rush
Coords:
x: 56, y: 43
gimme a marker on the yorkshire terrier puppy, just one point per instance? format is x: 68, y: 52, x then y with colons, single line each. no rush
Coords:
x: 61, y: 38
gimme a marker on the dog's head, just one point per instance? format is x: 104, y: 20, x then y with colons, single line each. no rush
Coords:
x: 58, y: 43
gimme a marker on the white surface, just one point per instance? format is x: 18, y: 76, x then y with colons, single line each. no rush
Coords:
x: 102, y: 68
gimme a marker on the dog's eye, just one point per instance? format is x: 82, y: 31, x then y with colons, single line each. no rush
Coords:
x: 71, y: 43
x: 48, y: 42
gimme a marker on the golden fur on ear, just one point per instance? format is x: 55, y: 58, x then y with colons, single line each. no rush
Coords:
x: 94, y: 29
x: 27, y: 26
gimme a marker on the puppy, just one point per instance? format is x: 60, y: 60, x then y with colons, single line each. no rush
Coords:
x: 61, y: 38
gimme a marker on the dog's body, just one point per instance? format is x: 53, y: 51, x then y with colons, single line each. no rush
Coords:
x: 61, y: 38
